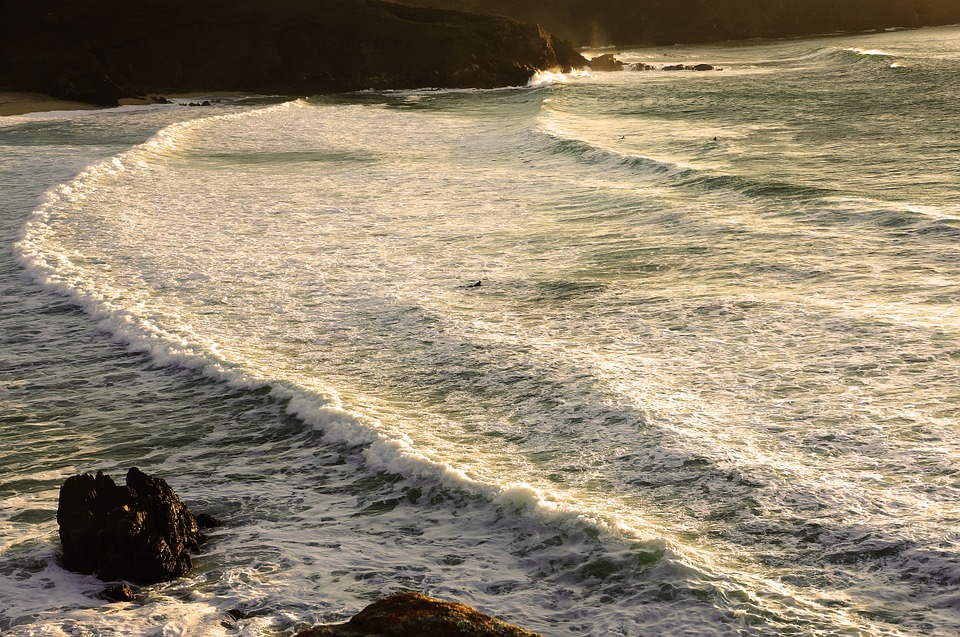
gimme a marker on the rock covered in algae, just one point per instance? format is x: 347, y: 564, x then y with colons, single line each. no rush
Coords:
x: 410, y: 614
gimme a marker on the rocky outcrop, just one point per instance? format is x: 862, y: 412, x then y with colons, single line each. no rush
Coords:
x: 605, y: 62
x: 140, y: 532
x: 414, y: 614
x: 118, y: 593
x: 678, y: 67
x: 624, y: 22
x: 99, y: 50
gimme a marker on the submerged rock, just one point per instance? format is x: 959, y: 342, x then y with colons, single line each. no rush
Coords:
x: 674, y: 67
x: 118, y: 593
x: 140, y: 532
x: 412, y: 614
x: 207, y: 521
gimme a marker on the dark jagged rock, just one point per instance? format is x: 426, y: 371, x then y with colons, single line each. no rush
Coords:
x: 118, y: 593
x: 412, y: 614
x: 207, y: 521
x: 640, y: 66
x: 683, y: 67
x: 605, y: 62
x: 140, y: 532
x: 100, y: 50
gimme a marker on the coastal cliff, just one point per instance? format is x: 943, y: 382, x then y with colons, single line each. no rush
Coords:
x: 97, y: 51
x: 658, y: 22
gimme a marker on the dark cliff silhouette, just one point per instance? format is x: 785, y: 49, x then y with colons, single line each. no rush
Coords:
x: 100, y: 50
x: 589, y: 22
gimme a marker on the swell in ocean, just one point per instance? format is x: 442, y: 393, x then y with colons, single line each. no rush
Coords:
x: 704, y: 385
x: 580, y: 530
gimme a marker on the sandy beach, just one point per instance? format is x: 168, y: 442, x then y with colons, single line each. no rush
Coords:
x: 15, y: 103
x: 20, y: 103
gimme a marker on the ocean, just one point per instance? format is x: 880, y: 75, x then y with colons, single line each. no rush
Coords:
x: 621, y: 353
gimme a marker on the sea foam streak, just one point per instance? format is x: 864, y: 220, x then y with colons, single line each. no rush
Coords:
x: 127, y: 314
x: 661, y: 394
x: 168, y: 341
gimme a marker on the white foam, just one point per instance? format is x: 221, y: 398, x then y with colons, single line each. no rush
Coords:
x: 682, y: 391
x: 870, y: 52
x: 546, y: 78
x: 542, y: 79
x: 168, y: 341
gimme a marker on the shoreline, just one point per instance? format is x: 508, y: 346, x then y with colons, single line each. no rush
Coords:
x: 14, y: 103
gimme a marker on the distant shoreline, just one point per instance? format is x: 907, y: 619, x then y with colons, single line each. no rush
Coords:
x: 15, y: 103
x: 102, y: 51
x: 24, y: 103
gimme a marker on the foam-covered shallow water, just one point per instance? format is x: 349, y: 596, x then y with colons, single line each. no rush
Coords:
x: 707, y: 385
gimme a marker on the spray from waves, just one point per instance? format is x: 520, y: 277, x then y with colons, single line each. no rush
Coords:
x: 542, y: 79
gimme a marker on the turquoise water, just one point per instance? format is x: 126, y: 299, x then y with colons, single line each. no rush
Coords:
x: 707, y: 386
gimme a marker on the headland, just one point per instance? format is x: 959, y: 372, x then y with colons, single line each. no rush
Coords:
x: 101, y: 51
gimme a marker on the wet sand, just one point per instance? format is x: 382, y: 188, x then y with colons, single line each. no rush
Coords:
x: 21, y: 103
x: 14, y: 103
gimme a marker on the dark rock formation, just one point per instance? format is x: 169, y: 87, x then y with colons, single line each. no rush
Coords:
x: 586, y: 22
x: 207, y: 521
x: 100, y: 50
x: 412, y: 614
x: 605, y: 62
x: 118, y: 593
x: 679, y: 67
x: 140, y: 532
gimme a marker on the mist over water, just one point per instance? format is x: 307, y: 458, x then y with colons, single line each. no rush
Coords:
x: 707, y: 383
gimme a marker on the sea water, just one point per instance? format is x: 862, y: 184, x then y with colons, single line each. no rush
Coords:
x: 632, y: 353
